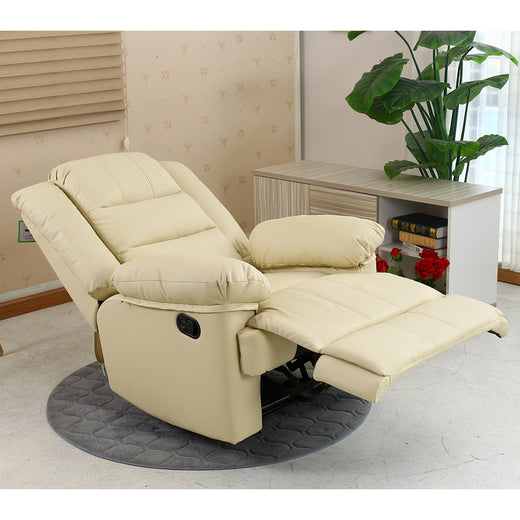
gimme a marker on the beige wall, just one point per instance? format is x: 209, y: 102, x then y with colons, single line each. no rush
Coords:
x: 222, y: 103
x: 332, y: 131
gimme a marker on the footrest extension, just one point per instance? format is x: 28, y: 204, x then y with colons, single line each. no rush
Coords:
x: 370, y: 328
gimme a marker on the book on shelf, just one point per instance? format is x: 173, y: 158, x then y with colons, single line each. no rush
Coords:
x: 419, y: 249
x: 424, y: 242
x: 422, y: 224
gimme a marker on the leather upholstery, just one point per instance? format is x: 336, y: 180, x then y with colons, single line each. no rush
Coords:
x: 52, y: 214
x: 191, y: 279
x: 371, y: 328
x: 141, y: 210
x: 261, y: 351
x: 288, y: 276
x: 369, y: 360
x: 313, y: 314
x: 195, y: 384
x: 314, y: 241
x: 86, y: 304
x: 152, y: 232
x: 216, y: 211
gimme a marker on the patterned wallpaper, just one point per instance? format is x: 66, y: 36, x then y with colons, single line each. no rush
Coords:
x: 220, y: 102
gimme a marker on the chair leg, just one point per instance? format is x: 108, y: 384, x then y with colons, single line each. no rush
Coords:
x: 98, y: 350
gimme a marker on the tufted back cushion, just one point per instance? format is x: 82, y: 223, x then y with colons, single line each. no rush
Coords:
x: 137, y: 208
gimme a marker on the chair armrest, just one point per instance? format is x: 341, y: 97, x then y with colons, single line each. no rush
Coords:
x: 314, y: 241
x: 191, y: 279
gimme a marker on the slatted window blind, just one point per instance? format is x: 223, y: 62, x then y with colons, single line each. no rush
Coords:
x: 59, y: 79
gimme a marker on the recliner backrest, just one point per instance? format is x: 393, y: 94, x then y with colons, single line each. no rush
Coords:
x: 137, y: 208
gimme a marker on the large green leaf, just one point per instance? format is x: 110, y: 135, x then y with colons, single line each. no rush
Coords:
x: 415, y: 143
x: 469, y: 90
x: 410, y: 91
x: 351, y: 35
x: 379, y: 112
x: 436, y: 39
x: 462, y: 148
x: 491, y: 50
x: 381, y: 78
x: 394, y: 168
x: 430, y: 155
x: 456, y: 54
x: 486, y: 144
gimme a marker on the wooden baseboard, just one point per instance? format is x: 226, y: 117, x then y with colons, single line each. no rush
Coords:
x: 33, y: 302
x: 505, y: 275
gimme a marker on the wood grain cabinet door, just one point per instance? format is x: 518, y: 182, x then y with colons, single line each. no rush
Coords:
x: 330, y: 201
x: 276, y: 198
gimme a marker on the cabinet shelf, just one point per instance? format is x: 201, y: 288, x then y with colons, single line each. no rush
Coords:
x: 404, y: 251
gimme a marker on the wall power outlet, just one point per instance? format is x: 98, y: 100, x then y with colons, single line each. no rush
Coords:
x: 24, y: 235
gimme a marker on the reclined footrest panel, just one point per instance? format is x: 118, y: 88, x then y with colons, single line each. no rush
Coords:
x: 371, y: 328
x: 368, y: 361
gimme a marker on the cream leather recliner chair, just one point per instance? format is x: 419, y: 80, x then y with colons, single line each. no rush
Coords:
x: 189, y: 313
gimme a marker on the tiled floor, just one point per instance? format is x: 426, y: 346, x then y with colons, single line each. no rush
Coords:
x: 453, y: 422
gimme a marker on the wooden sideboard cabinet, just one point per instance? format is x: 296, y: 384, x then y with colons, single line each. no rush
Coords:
x: 473, y: 211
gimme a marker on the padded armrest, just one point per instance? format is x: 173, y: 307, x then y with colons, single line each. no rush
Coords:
x: 314, y: 241
x: 191, y: 279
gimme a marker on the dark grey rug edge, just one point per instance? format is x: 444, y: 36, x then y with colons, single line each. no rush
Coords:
x: 252, y: 465
x: 344, y: 403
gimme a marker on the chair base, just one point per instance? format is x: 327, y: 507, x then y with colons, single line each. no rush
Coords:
x: 195, y: 384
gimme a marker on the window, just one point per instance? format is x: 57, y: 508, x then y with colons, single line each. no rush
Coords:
x: 59, y: 79
x: 488, y: 112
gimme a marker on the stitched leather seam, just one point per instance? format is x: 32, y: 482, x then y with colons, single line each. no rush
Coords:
x: 335, y: 303
x: 123, y: 251
x: 378, y: 297
x: 344, y: 333
x: 136, y: 202
x: 412, y: 311
x: 143, y: 172
x: 462, y: 339
x: 408, y: 331
x: 108, y: 172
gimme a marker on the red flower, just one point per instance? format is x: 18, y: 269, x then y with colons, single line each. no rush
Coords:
x: 424, y: 267
x: 396, y: 254
x: 429, y: 253
x: 381, y: 265
x: 431, y: 265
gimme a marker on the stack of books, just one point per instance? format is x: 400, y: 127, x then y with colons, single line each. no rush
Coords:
x: 418, y: 231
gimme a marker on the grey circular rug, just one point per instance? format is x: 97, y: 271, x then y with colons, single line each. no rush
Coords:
x: 85, y: 412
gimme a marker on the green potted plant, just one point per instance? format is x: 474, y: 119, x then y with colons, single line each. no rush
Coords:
x: 437, y: 143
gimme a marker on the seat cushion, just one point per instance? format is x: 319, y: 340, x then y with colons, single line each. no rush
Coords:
x: 286, y: 277
x: 315, y: 313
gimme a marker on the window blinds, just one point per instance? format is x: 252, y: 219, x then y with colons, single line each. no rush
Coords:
x: 59, y: 79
